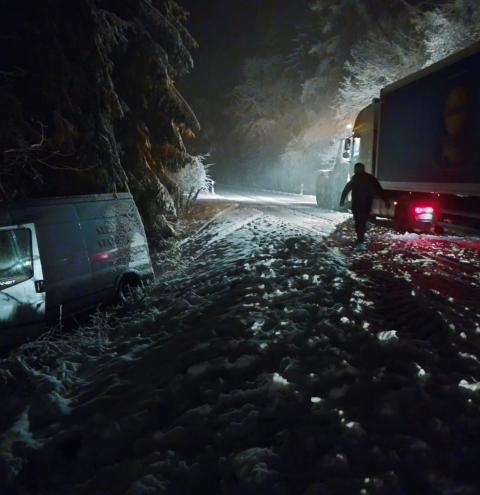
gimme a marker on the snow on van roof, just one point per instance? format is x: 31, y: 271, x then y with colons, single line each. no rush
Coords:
x: 69, y: 199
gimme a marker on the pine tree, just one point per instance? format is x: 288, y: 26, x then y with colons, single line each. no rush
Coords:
x: 265, y: 114
x: 450, y: 28
x: 338, y: 26
x: 321, y: 51
x: 377, y: 61
x: 89, y: 101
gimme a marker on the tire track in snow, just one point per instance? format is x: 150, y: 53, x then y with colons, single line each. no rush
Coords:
x: 417, y: 303
x: 251, y: 373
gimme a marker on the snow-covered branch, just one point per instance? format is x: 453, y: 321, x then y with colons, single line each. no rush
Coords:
x: 191, y: 180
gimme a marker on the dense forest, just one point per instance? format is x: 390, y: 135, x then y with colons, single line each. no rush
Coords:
x: 289, y: 105
x: 90, y: 105
x: 90, y: 100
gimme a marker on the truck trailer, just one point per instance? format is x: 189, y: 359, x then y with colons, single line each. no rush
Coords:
x: 61, y: 255
x: 421, y: 140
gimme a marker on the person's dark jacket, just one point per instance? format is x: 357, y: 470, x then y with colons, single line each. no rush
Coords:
x: 364, y: 187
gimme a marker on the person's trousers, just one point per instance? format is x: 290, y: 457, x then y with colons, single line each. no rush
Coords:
x: 360, y: 217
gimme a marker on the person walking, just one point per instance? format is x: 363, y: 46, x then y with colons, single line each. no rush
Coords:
x: 364, y: 187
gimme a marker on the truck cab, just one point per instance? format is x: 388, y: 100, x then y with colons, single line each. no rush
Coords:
x: 420, y: 140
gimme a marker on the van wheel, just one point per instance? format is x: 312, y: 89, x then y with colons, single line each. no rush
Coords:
x: 128, y: 287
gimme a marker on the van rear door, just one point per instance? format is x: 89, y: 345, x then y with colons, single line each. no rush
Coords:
x: 22, y: 294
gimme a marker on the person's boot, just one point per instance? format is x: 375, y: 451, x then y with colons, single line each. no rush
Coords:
x: 361, y: 244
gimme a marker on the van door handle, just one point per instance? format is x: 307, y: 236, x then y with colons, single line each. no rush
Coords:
x: 39, y: 286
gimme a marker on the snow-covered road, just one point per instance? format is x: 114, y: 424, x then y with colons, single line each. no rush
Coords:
x: 270, y: 358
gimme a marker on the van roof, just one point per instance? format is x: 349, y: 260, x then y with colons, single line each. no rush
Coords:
x: 57, y: 200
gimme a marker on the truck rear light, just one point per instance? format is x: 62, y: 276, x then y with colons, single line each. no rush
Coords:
x: 424, y: 209
x: 424, y: 213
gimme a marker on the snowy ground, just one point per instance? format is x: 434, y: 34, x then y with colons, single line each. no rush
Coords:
x: 269, y: 359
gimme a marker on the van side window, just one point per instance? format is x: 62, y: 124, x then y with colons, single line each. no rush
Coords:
x: 16, y: 263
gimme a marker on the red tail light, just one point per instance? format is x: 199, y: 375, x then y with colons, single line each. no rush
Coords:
x: 424, y: 214
x: 424, y: 209
x: 101, y: 257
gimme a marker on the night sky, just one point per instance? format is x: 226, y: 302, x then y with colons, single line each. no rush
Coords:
x: 229, y: 32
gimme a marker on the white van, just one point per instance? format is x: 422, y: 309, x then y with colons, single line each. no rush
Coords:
x: 60, y: 255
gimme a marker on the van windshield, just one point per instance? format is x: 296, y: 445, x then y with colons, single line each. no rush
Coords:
x: 16, y: 263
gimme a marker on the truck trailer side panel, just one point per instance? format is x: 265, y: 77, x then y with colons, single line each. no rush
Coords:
x: 429, y: 131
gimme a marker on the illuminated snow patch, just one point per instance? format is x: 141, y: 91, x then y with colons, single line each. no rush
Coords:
x: 355, y: 277
x: 465, y: 355
x: 279, y: 380
x: 257, y: 325
x: 420, y: 371
x: 387, y: 335
x: 337, y: 282
x: 474, y: 387
x: 271, y: 274
x: 268, y: 263
x: 352, y: 424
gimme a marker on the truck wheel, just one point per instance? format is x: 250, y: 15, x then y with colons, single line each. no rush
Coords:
x: 129, y: 285
x: 401, y: 220
x: 322, y: 193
